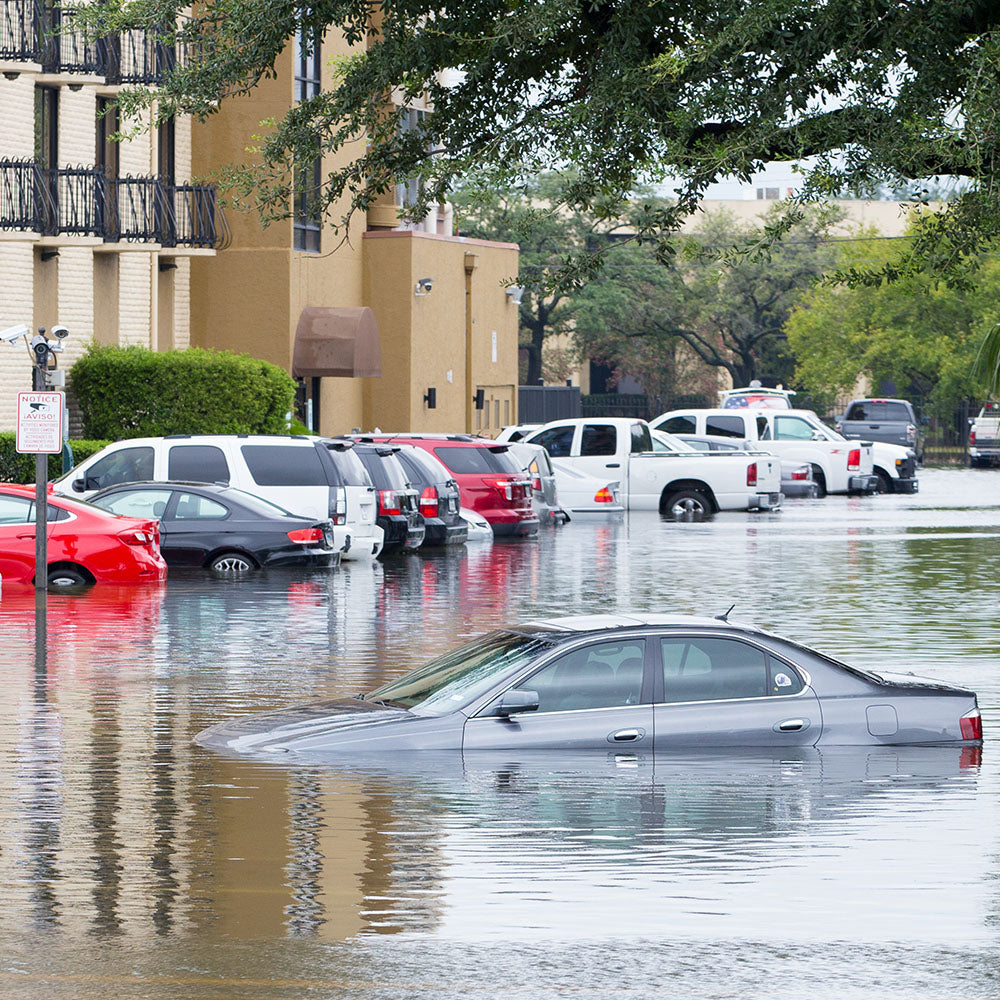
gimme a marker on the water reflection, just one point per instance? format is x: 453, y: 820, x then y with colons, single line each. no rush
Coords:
x: 115, y: 829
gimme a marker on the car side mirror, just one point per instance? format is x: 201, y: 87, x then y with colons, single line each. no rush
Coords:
x: 818, y: 436
x: 79, y: 486
x: 516, y: 700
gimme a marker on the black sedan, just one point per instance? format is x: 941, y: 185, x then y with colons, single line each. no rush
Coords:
x: 440, y: 502
x: 222, y: 528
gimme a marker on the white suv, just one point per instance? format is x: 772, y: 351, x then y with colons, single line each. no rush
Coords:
x: 312, y: 476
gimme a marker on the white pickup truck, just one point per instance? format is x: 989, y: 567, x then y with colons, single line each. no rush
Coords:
x: 839, y: 465
x: 984, y: 436
x: 675, y: 482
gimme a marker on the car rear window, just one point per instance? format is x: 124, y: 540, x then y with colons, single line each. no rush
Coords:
x: 385, y: 470
x: 349, y: 468
x: 726, y: 427
x: 421, y: 467
x: 477, y: 460
x: 280, y: 465
x: 197, y: 463
x: 878, y: 411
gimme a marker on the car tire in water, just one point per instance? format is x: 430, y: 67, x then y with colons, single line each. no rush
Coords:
x: 687, y: 503
x: 67, y: 576
x: 820, y: 481
x: 232, y: 564
x: 884, y: 482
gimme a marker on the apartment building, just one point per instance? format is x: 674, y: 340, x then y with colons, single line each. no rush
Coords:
x: 394, y: 324
x: 95, y: 234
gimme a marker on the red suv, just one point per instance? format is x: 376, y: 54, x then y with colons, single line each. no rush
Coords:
x: 490, y: 481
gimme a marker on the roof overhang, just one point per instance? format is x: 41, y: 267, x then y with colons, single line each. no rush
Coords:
x: 337, y: 341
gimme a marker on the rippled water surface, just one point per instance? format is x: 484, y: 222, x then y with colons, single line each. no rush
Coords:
x: 138, y: 865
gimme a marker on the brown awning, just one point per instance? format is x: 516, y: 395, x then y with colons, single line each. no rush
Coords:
x: 340, y: 341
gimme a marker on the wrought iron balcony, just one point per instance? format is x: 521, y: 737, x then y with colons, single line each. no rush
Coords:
x: 25, y: 200
x: 21, y: 30
x: 76, y: 201
x: 137, y: 210
x: 66, y: 48
x: 197, y: 218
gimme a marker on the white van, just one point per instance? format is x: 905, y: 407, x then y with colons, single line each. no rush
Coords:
x: 306, y: 475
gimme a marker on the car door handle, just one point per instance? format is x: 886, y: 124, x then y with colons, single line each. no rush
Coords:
x: 613, y: 465
x: 626, y: 735
x: 32, y: 535
x: 791, y: 726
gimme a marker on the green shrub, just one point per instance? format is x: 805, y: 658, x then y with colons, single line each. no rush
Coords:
x: 127, y: 392
x: 17, y: 468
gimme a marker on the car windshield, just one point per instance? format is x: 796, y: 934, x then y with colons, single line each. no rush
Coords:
x: 453, y: 680
x: 662, y: 441
x: 258, y: 504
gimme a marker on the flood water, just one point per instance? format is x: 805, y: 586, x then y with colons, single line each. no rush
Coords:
x: 135, y: 864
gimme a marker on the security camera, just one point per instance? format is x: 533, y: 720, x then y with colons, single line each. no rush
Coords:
x: 40, y: 348
x: 14, y: 333
x: 60, y: 332
x: 424, y: 285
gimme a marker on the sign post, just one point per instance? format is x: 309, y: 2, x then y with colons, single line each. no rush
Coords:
x: 40, y: 431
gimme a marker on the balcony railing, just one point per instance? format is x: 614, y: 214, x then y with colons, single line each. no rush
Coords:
x: 199, y: 221
x: 67, y: 49
x: 137, y: 210
x: 79, y: 198
x: 25, y: 203
x: 20, y: 30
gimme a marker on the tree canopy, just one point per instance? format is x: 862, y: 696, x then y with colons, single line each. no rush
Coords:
x: 872, y: 91
x: 918, y: 331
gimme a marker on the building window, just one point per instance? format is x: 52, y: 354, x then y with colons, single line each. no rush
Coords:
x: 308, y: 67
x: 166, y: 151
x: 47, y: 127
x: 410, y: 120
x: 108, y: 124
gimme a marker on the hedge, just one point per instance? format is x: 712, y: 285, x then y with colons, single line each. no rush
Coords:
x: 127, y: 392
x: 16, y: 468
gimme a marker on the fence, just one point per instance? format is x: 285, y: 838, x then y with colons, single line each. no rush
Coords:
x: 538, y: 404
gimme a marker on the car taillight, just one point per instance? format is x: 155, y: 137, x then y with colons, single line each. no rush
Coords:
x: 505, y: 487
x: 429, y: 502
x: 536, y: 484
x: 338, y: 505
x: 854, y: 458
x: 604, y: 495
x: 972, y: 725
x: 972, y: 437
x: 911, y: 432
x: 389, y: 502
x: 136, y: 536
x: 752, y: 474
x: 802, y: 473
x: 305, y: 536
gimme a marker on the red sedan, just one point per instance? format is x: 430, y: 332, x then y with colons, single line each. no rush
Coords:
x: 85, y: 544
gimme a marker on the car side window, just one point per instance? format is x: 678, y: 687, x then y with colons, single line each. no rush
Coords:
x: 557, y: 441
x: 641, y: 439
x: 14, y: 510
x: 763, y: 429
x: 128, y: 465
x: 197, y: 463
x: 726, y: 427
x: 191, y: 507
x: 280, y: 465
x: 792, y: 429
x: 720, y: 669
x: 605, y: 675
x: 679, y: 425
x: 599, y: 439
x: 138, y: 503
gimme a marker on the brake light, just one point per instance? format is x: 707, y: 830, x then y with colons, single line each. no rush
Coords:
x: 306, y: 536
x: 604, y: 495
x: 536, y: 484
x: 800, y: 473
x: 505, y: 487
x: 338, y: 505
x: 854, y: 458
x: 429, y: 502
x: 911, y: 432
x: 972, y: 437
x: 971, y: 725
x: 389, y: 502
x: 752, y: 474
x: 136, y: 536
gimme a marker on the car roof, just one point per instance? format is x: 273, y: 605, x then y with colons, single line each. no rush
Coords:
x: 601, y: 623
x: 461, y: 440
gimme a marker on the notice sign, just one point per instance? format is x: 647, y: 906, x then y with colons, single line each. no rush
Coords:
x: 39, y: 423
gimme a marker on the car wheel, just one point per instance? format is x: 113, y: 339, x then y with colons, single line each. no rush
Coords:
x: 66, y: 576
x: 820, y: 481
x: 687, y: 503
x: 884, y: 482
x: 232, y: 564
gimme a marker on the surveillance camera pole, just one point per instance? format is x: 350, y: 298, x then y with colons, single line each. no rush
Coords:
x: 39, y: 367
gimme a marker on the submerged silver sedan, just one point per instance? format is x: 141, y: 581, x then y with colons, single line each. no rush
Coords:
x: 654, y: 682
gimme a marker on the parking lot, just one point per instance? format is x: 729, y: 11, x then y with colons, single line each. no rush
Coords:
x: 136, y: 864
